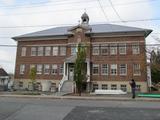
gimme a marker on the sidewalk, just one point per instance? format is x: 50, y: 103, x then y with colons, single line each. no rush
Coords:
x: 95, y: 97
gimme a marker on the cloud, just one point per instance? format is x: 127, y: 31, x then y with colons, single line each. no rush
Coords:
x: 8, y: 2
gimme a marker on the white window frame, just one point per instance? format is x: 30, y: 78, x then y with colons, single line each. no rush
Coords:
x: 123, y: 87
x: 63, y: 50
x: 73, y: 50
x: 95, y: 66
x: 113, y: 49
x: 33, y: 51
x: 46, y: 69
x: 104, y: 86
x: 40, y: 51
x: 122, y: 48
x: 104, y: 49
x: 23, y: 51
x: 54, y: 69
x: 22, y: 69
x: 113, y: 87
x: 47, y: 51
x: 55, y: 50
x: 136, y: 69
x: 104, y: 69
x: 95, y: 50
x: 135, y: 48
x: 113, y: 69
x: 39, y: 69
x: 123, y: 69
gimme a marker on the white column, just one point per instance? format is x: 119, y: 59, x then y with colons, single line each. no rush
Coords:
x: 64, y: 69
x: 88, y: 71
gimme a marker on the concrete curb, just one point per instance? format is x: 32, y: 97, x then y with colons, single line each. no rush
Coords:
x: 104, y: 98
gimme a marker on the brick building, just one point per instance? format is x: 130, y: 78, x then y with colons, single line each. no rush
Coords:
x: 115, y: 55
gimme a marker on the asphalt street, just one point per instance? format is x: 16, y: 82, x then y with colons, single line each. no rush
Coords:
x: 63, y: 109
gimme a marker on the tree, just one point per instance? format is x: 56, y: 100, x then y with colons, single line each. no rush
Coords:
x: 32, y: 76
x: 155, y: 66
x: 80, y: 68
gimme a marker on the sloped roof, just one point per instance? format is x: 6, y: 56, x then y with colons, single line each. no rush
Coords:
x: 3, y: 72
x: 96, y: 28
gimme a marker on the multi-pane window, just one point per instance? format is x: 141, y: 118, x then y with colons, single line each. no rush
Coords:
x: 95, y: 87
x: 113, y: 69
x: 104, y: 49
x: 113, y: 49
x: 135, y: 48
x: 33, y: 51
x: 104, y: 86
x: 61, y: 69
x: 46, y: 69
x: 95, y: 50
x: 123, y: 69
x: 104, y: 69
x: 62, y: 51
x: 21, y: 84
x: 39, y: 69
x: 40, y: 51
x: 22, y: 69
x: 123, y: 88
x: 23, y: 51
x: 136, y: 69
x: 47, y: 51
x: 54, y: 69
x: 122, y: 48
x: 95, y: 69
x: 113, y: 87
x: 73, y: 50
x: 55, y: 51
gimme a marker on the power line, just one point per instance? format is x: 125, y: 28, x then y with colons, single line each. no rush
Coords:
x: 55, y: 25
x: 115, y: 10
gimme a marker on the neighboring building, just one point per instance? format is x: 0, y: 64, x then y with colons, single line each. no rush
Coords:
x: 115, y: 55
x: 4, y: 79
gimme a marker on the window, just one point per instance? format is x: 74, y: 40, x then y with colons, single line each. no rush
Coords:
x: 39, y: 69
x: 113, y: 49
x: 123, y: 69
x: 54, y: 69
x: 95, y: 87
x: 104, y: 69
x: 124, y: 88
x: 113, y: 69
x: 61, y: 69
x: 33, y: 51
x: 95, y: 50
x: 21, y: 84
x: 95, y: 69
x: 23, y: 51
x: 113, y: 87
x: 122, y: 48
x: 62, y: 50
x: 73, y: 50
x: 104, y: 86
x: 47, y: 51
x: 32, y: 66
x: 104, y: 49
x: 55, y: 51
x: 40, y: 51
x: 138, y: 88
x: 136, y: 69
x: 22, y: 69
x: 135, y: 49
x: 46, y: 69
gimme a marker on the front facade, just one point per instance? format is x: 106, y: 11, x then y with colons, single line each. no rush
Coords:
x: 115, y: 55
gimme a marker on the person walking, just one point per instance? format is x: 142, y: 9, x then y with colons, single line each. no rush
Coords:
x: 133, y: 88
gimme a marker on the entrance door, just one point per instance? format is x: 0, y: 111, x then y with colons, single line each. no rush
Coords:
x: 71, y: 73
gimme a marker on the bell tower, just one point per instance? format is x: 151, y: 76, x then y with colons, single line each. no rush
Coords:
x: 85, y: 19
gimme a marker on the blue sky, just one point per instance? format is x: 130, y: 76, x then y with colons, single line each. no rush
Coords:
x: 59, y: 12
